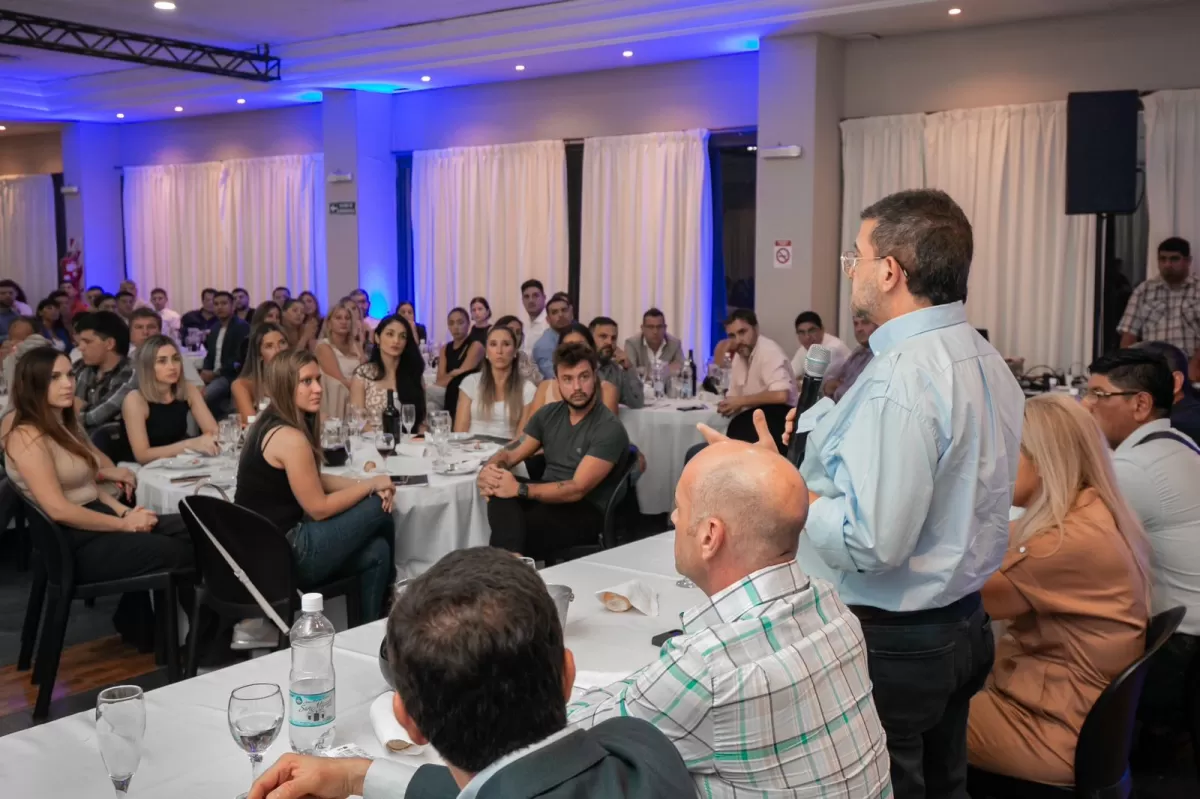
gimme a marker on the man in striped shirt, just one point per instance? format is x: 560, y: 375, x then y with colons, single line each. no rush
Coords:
x: 766, y: 692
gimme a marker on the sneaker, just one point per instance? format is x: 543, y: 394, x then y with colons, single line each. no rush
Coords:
x: 254, y: 634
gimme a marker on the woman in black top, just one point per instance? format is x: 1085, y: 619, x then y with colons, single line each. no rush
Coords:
x: 337, y: 526
x: 481, y: 320
x: 409, y: 312
x: 155, y: 414
x: 461, y: 357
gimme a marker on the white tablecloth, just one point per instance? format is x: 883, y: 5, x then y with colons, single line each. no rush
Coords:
x: 188, y: 752
x: 664, y: 434
x: 432, y: 520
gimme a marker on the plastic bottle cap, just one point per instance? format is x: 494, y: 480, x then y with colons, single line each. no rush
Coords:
x: 312, y: 603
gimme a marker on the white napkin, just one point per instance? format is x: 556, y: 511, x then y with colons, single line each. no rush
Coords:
x: 389, y: 732
x: 808, y: 420
x: 708, y: 397
x: 639, y: 595
x: 413, y: 450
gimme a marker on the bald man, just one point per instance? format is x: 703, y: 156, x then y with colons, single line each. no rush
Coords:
x: 766, y: 689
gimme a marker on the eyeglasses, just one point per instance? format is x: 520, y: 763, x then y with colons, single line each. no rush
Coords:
x: 1097, y: 394
x: 850, y: 260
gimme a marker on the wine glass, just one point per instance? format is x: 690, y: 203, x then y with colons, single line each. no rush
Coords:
x: 120, y: 725
x: 408, y: 417
x: 255, y: 717
x: 385, y: 445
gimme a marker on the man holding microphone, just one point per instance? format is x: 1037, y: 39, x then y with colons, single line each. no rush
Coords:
x: 910, y: 480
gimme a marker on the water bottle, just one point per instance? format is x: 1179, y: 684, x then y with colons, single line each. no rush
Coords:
x: 687, y: 378
x: 312, y: 706
x: 658, y: 378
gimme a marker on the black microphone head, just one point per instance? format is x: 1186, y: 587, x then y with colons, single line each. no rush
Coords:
x: 817, y: 361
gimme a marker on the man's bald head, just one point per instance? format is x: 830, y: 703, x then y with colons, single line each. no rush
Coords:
x: 741, y: 508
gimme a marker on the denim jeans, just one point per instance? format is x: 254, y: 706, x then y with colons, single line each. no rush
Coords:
x: 359, y: 540
x: 218, y: 396
x: 925, y: 667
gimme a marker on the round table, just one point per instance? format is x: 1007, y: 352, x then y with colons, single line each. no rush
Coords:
x: 664, y: 433
x: 431, y: 520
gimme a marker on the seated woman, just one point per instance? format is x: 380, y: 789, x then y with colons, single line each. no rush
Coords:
x: 301, y: 331
x: 312, y: 310
x: 481, y: 320
x: 267, y: 312
x: 51, y: 460
x: 51, y: 327
x: 494, y: 401
x: 337, y: 526
x: 395, y: 365
x: 339, y: 353
x: 547, y: 390
x: 459, y: 358
x: 1071, y: 629
x: 155, y: 413
x: 525, y: 365
x: 249, y: 390
x: 409, y: 312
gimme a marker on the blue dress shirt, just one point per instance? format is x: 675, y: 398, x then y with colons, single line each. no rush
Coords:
x: 915, y: 467
x: 543, y: 353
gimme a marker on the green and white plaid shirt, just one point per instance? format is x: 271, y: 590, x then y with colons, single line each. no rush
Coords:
x: 766, y: 694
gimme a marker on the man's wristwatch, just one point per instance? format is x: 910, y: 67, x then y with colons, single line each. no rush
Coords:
x: 523, y: 490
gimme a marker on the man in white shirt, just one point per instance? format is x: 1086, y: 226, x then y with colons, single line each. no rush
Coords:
x: 810, y: 331
x: 170, y: 318
x: 146, y: 323
x: 533, y: 297
x: 1130, y: 393
x: 480, y: 671
x: 132, y: 287
x: 762, y: 378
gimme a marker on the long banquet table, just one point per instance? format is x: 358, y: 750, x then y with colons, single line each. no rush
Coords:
x: 188, y: 751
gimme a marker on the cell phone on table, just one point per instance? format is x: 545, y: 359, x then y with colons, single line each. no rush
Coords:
x: 410, y: 479
x: 662, y: 638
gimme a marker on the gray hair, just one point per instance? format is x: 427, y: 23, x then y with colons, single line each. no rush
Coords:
x: 930, y: 237
x: 144, y: 370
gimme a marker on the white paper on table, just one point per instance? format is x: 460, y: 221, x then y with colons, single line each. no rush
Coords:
x: 410, y: 450
x: 809, y: 419
x: 640, y: 595
x: 391, y: 735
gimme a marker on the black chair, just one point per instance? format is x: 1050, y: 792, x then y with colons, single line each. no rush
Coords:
x: 609, y: 535
x: 12, y: 509
x: 741, y: 426
x: 110, y: 439
x: 264, y: 555
x: 1102, y: 753
x: 54, y: 583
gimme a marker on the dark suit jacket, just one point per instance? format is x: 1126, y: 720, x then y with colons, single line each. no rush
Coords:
x: 231, y: 347
x: 1185, y: 416
x: 621, y: 757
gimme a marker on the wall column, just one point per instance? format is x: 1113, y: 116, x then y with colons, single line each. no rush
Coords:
x: 91, y: 162
x: 799, y: 200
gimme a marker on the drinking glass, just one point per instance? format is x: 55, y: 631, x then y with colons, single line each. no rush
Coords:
x: 408, y: 417
x: 385, y: 445
x: 229, y: 432
x: 120, y: 725
x: 255, y: 716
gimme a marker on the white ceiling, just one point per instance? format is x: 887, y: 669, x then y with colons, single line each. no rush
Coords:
x: 387, y: 45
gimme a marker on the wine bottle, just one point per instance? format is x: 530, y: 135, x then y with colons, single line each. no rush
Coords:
x: 391, y: 416
x: 689, y: 374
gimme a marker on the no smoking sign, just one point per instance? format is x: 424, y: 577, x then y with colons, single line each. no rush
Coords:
x: 783, y: 253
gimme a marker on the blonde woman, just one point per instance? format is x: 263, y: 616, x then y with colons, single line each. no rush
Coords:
x: 339, y: 354
x: 1075, y: 590
x: 156, y: 413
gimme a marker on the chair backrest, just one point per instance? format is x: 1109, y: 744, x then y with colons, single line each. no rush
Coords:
x: 53, y: 544
x: 626, y: 468
x: 251, y: 540
x: 1102, y: 753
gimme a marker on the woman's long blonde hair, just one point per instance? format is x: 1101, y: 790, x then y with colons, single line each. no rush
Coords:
x: 1070, y: 453
x: 355, y: 334
x: 151, y: 389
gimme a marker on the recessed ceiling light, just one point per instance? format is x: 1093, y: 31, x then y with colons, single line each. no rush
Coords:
x: 164, y: 5
x: 752, y: 148
x: 520, y: 67
x: 425, y: 79
x: 120, y: 116
x: 241, y: 101
x: 628, y: 54
x: 954, y: 12
x: 178, y: 108
x: 2, y: 128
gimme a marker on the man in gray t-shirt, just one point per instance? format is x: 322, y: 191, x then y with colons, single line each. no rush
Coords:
x: 586, y: 450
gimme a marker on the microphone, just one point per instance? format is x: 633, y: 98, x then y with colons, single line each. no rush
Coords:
x: 810, y: 393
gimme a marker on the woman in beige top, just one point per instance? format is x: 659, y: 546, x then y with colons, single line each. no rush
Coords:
x: 51, y: 461
x: 340, y: 352
x: 1072, y: 628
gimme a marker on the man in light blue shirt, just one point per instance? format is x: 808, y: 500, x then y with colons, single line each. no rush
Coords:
x: 911, y: 478
x: 560, y: 313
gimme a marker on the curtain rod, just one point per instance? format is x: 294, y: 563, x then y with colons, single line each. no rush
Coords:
x: 1141, y: 93
x: 739, y: 129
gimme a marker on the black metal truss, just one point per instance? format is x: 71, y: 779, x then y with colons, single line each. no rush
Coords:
x: 44, y: 33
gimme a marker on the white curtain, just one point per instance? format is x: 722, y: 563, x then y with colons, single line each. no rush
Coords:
x: 1031, y: 277
x: 28, y: 244
x: 485, y: 220
x: 880, y: 156
x: 256, y: 223
x: 1172, y: 168
x: 646, y: 238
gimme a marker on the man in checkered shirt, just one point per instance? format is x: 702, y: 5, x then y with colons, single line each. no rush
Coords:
x: 766, y: 692
x: 1167, y: 307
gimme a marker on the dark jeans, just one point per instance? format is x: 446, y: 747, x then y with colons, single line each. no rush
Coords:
x: 540, y: 530
x: 1165, y: 692
x: 359, y: 540
x: 925, y: 667
x: 218, y: 396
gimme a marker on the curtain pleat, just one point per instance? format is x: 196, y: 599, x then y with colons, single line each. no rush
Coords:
x: 28, y: 247
x: 1172, y: 168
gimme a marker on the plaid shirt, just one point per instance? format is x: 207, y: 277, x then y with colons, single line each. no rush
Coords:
x: 103, y: 393
x: 766, y: 694
x: 1156, y: 312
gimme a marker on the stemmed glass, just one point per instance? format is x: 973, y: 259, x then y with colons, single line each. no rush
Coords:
x: 385, y: 445
x: 255, y: 717
x: 120, y: 726
x: 408, y: 417
x: 229, y: 432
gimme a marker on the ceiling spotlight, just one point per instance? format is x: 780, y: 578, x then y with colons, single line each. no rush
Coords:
x: 628, y: 54
x: 120, y: 116
x: 425, y: 79
x: 520, y: 67
x: 753, y: 148
x: 241, y: 101
x: 2, y: 128
x: 178, y: 108
x: 954, y: 12
x: 164, y: 5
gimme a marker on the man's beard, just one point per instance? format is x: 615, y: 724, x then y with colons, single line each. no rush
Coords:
x: 577, y: 404
x: 605, y: 354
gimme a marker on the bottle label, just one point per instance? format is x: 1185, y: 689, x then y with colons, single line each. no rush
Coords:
x: 312, y: 710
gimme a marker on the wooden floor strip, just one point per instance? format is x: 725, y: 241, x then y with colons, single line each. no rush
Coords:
x: 83, y: 668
